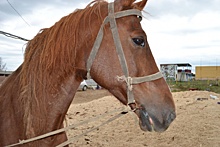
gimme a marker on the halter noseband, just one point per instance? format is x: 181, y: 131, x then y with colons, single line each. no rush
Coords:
x: 111, y: 18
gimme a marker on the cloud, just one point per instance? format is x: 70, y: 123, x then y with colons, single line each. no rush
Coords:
x: 177, y: 30
x: 38, y: 14
x: 184, y: 31
x: 182, y: 8
x: 11, y: 53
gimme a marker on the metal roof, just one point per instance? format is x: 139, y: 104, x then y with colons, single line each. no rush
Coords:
x: 179, y: 64
x: 6, y: 72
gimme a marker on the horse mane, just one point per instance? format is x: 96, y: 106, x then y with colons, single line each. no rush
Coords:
x: 54, y: 48
x: 50, y: 57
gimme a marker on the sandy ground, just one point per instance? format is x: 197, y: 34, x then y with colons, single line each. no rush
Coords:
x: 197, y: 123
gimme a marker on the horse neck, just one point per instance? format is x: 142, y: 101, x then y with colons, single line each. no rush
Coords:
x: 31, y: 110
x: 48, y: 113
x: 43, y: 108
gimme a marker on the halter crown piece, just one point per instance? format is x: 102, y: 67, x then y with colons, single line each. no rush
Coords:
x: 111, y: 18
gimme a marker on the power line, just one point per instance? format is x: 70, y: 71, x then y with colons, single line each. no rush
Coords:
x: 18, y: 13
x: 13, y: 36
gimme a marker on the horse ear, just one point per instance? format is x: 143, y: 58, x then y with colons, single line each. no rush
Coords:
x: 122, y: 4
x: 139, y: 5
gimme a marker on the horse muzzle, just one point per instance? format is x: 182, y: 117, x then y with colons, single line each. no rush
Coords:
x: 157, y: 123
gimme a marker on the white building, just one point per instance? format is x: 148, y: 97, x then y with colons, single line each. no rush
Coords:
x: 177, y: 72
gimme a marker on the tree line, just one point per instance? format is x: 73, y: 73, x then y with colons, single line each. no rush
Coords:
x: 2, y: 65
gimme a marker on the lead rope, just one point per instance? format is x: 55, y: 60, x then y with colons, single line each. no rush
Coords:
x: 71, y: 140
x: 21, y: 142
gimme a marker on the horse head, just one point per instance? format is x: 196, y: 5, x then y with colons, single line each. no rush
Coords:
x: 152, y: 100
x: 58, y: 58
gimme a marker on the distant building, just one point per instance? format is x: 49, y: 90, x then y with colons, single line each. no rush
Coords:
x: 3, y: 75
x: 177, y: 72
x: 207, y: 73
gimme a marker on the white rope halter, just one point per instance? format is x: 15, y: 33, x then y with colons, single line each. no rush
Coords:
x: 111, y: 18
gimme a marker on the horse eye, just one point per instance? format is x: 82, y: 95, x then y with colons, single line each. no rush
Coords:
x: 139, y: 41
x: 140, y: 18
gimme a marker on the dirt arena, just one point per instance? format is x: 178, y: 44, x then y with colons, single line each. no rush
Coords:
x: 197, y: 123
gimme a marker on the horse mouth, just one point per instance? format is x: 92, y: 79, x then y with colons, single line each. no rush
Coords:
x: 146, y: 123
x: 149, y: 122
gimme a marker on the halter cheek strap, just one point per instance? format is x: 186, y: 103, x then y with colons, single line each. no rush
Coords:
x: 111, y: 18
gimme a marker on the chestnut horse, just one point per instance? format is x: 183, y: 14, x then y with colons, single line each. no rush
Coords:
x: 36, y: 97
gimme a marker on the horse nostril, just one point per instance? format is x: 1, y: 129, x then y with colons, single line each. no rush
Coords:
x: 171, y: 117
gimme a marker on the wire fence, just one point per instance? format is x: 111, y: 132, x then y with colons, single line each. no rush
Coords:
x: 13, y: 36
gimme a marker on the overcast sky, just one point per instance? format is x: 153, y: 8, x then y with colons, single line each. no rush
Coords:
x: 179, y: 31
